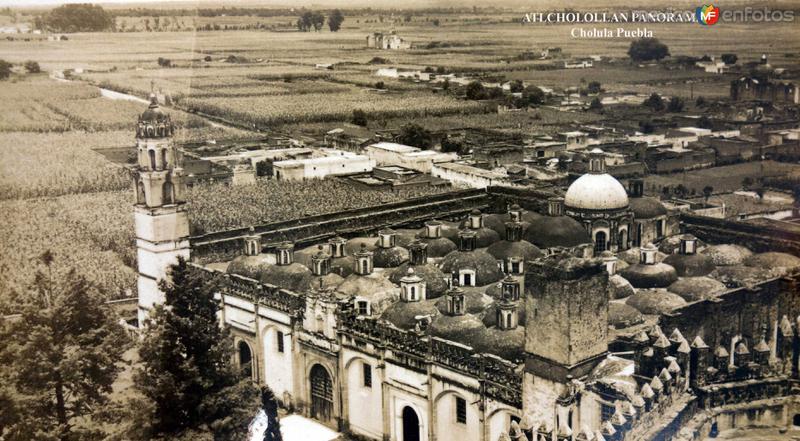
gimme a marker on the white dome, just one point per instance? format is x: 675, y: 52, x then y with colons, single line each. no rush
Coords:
x: 594, y: 191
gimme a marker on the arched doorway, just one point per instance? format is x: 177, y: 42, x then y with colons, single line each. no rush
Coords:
x: 410, y: 424
x: 321, y: 394
x: 245, y: 360
x: 600, y: 242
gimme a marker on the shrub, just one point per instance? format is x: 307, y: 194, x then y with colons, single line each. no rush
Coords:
x: 32, y: 67
x: 359, y: 118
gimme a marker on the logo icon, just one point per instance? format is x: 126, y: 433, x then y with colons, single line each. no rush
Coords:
x: 707, y: 14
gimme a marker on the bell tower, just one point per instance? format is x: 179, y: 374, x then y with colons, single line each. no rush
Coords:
x: 160, y: 218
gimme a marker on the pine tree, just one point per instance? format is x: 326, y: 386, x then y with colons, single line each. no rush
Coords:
x: 270, y: 406
x: 187, y: 372
x: 60, y: 359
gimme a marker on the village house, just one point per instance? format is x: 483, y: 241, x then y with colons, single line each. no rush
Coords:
x: 390, y: 153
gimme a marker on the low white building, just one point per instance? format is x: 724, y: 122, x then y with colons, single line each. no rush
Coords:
x: 390, y: 153
x: 318, y: 168
x: 467, y: 176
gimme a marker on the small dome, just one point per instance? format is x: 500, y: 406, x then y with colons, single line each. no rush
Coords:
x: 329, y: 280
x: 556, y: 231
x: 496, y: 222
x: 621, y: 315
x: 735, y: 276
x: 646, y: 207
x: 690, y: 265
x: 510, y: 249
x: 435, y: 279
x: 154, y: 114
x: 507, y: 344
x: 773, y: 260
x: 484, y: 265
x: 374, y: 287
x: 659, y: 275
x: 655, y: 301
x: 343, y: 266
x: 294, y: 277
x: 404, y: 237
x: 620, y: 287
x: 390, y: 257
x: 727, y: 254
x: 465, y: 329
x: 697, y: 288
x: 475, y: 301
x: 449, y: 230
x: 485, y: 237
x: 354, y: 245
x: 403, y: 314
x: 250, y: 266
x: 595, y: 191
x: 439, y: 247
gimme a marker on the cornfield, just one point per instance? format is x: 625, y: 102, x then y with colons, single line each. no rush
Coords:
x: 269, y: 110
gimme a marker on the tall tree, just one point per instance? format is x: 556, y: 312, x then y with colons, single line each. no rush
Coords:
x: 187, y: 372
x: 335, y: 20
x: 60, y: 360
x: 317, y: 20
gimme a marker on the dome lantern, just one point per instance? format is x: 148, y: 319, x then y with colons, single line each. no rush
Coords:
x: 647, y: 254
x: 337, y: 244
x: 419, y: 253
x: 597, y: 161
x: 386, y: 238
x: 412, y: 287
x: 321, y: 262
x: 284, y: 253
x: 510, y: 288
x: 455, y: 301
x: 513, y: 231
x: 475, y: 220
x: 363, y: 261
x: 252, y: 243
x: 515, y: 213
x: 688, y: 244
x: 433, y: 229
x: 467, y: 240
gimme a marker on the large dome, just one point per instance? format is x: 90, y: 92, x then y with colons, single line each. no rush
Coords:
x: 595, y: 191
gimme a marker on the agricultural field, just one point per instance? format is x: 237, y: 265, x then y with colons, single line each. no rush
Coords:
x: 723, y: 179
x: 320, y: 107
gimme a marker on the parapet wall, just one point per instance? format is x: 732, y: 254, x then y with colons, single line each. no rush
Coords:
x: 756, y: 237
x: 225, y: 245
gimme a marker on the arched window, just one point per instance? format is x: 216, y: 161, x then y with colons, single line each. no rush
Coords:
x: 245, y: 360
x: 152, y: 155
x: 164, y: 159
x: 140, y: 195
x: 600, y: 244
x: 169, y: 196
x: 622, y: 240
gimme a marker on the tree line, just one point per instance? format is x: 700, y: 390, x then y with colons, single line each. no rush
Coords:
x: 315, y: 20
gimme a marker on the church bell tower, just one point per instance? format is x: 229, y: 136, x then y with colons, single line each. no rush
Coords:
x: 160, y: 218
